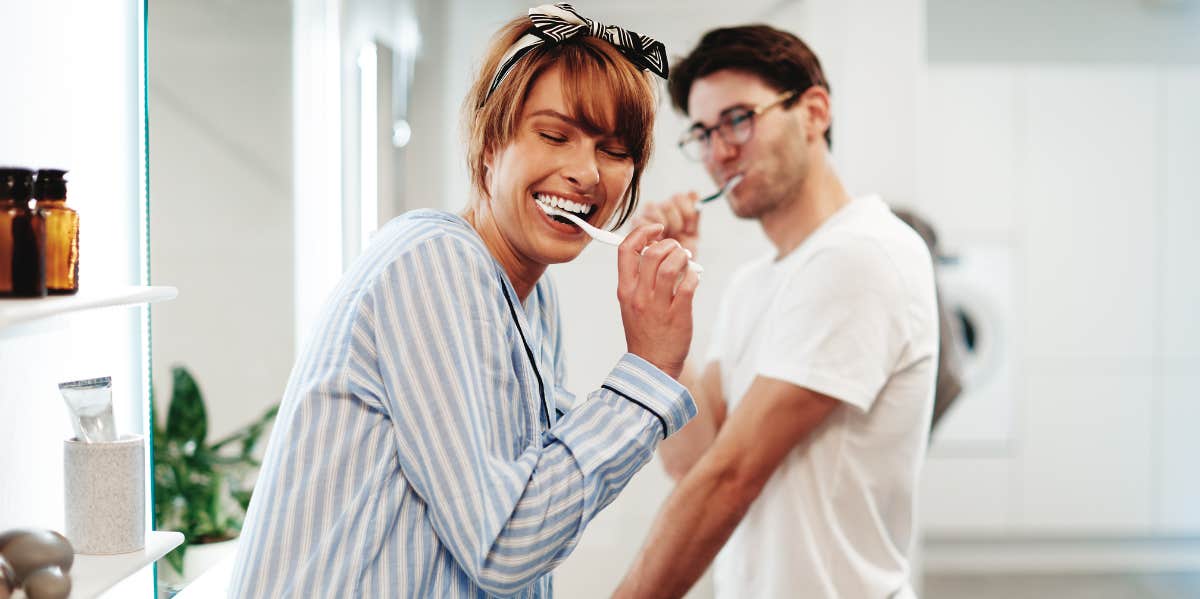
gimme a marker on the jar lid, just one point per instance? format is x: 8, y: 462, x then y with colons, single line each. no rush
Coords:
x: 50, y: 184
x: 16, y: 183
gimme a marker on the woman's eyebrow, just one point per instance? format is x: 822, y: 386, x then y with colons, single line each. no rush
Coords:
x: 558, y: 115
x: 574, y: 122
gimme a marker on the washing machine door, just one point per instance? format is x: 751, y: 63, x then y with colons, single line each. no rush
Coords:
x: 976, y: 293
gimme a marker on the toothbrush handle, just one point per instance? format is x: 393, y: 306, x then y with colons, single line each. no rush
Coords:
x: 606, y: 237
x: 614, y: 240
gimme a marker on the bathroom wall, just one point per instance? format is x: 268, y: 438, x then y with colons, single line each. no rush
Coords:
x: 221, y: 221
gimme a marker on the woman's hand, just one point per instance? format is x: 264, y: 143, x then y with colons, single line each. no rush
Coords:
x: 655, y: 288
x: 679, y: 217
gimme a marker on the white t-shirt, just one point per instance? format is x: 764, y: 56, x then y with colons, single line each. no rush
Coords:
x: 852, y: 314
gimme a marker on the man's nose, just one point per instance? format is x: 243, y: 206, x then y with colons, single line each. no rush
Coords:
x: 720, y: 151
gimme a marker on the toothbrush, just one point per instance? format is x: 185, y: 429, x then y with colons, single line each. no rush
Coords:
x: 729, y: 185
x: 600, y: 234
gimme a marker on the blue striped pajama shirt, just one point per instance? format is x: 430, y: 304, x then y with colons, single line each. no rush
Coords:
x: 411, y: 456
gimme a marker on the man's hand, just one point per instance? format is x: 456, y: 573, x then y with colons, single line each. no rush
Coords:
x: 678, y: 215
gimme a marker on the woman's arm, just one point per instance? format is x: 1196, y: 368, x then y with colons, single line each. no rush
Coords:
x: 506, y: 520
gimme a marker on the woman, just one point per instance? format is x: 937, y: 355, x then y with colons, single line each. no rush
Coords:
x: 421, y: 450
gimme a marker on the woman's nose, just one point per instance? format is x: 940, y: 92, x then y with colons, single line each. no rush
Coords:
x: 580, y: 167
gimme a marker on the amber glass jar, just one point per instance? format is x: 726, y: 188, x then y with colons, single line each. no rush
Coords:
x: 62, y: 232
x: 23, y: 243
x: 7, y: 208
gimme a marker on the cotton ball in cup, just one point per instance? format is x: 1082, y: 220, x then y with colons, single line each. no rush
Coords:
x: 47, y: 583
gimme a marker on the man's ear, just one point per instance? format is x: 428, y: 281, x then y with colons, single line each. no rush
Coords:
x: 816, y: 106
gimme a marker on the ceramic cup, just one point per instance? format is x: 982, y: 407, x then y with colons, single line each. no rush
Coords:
x: 106, y: 495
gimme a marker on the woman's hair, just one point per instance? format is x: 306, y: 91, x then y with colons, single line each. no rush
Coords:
x: 604, y: 91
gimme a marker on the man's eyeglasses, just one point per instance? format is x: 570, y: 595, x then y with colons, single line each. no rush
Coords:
x: 735, y: 126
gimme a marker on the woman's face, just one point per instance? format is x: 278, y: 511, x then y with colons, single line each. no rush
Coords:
x: 553, y: 159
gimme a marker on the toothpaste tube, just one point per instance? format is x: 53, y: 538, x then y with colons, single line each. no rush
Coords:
x: 90, y: 403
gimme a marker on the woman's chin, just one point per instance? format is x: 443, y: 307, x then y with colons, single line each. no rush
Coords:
x: 562, y: 253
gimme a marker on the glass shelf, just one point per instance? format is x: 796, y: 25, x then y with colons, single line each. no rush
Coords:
x: 19, y: 311
x: 92, y: 575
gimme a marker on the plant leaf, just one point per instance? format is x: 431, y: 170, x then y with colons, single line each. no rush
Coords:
x: 187, y: 420
x: 198, y: 491
x: 175, y: 558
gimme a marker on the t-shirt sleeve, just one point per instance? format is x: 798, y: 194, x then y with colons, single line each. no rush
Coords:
x: 839, y: 324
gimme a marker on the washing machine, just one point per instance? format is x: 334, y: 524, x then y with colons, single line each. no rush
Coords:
x: 976, y: 284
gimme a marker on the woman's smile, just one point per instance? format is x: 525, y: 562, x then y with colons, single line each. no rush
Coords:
x: 559, y: 224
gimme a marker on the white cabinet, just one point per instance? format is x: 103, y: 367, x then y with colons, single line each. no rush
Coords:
x: 1090, y: 189
x: 1177, y: 444
x: 1089, y: 181
x: 1088, y: 172
x: 1085, y: 456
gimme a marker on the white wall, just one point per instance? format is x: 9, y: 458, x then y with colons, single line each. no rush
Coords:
x: 470, y: 26
x: 221, y: 201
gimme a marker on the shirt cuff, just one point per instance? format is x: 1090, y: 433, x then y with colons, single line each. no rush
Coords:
x: 640, y: 382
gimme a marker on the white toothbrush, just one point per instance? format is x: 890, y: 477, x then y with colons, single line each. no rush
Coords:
x: 600, y: 234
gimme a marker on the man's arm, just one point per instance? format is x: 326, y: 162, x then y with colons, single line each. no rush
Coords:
x: 681, y: 451
x: 708, y: 503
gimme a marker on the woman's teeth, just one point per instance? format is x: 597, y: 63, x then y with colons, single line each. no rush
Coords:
x: 563, y: 204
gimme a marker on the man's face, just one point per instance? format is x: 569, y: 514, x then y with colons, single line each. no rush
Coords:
x: 773, y: 160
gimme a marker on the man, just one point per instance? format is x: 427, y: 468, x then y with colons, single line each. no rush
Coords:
x: 816, y: 397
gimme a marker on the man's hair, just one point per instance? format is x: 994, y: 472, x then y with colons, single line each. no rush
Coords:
x: 779, y: 58
x: 604, y: 91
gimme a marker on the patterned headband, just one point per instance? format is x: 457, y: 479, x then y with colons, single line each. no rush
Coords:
x: 555, y: 23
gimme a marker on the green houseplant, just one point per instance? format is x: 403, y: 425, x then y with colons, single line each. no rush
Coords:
x: 201, y: 489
